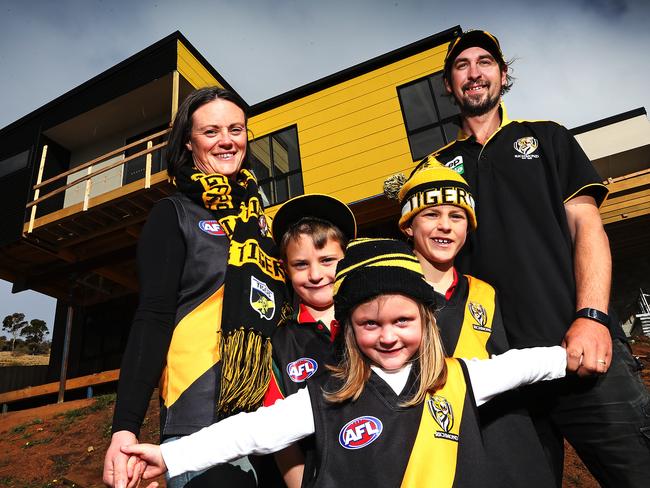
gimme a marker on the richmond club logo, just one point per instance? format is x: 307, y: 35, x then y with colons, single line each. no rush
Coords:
x: 301, y: 369
x: 526, y: 146
x: 264, y: 226
x: 211, y: 227
x: 441, y: 411
x: 262, y: 299
x: 360, y: 432
x: 480, y: 315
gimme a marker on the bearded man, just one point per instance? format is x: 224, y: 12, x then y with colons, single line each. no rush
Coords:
x: 541, y: 243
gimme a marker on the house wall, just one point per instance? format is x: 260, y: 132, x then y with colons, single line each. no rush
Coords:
x: 15, y: 184
x: 352, y: 135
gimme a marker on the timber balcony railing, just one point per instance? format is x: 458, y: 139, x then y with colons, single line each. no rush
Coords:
x: 149, y: 145
x: 629, y: 194
x: 629, y: 197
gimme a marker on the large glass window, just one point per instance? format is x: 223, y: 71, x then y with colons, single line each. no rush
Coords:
x: 275, y: 160
x: 430, y: 116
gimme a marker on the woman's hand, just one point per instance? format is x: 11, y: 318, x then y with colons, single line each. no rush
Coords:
x: 118, y: 468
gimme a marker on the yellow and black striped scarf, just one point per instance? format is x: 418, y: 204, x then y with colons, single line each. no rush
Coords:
x: 255, y: 295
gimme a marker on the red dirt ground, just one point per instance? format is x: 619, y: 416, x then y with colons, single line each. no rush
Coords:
x: 64, y: 444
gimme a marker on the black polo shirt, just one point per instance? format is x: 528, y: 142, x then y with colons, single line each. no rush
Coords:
x: 302, y: 347
x: 521, y: 179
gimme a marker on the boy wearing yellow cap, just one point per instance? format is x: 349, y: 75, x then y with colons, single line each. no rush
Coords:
x: 437, y: 213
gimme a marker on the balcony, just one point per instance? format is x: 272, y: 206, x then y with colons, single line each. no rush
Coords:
x: 87, y: 248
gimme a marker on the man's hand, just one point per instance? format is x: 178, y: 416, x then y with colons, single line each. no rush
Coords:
x: 588, y: 343
x: 589, y: 347
x: 117, y: 465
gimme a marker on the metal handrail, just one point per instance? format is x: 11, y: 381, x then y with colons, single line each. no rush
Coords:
x: 643, y: 301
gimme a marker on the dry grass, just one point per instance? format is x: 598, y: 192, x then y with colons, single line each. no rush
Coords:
x: 8, y: 358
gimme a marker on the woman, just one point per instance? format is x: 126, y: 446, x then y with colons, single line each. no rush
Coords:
x: 211, y: 291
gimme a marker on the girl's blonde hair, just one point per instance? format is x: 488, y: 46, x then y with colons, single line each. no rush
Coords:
x: 354, y: 368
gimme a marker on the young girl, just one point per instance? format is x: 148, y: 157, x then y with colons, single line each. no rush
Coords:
x: 395, y: 412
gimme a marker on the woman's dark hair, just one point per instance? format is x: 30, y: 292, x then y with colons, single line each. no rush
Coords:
x: 177, y: 153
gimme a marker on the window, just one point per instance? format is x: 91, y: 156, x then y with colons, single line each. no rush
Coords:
x: 14, y: 163
x: 275, y: 160
x: 430, y: 116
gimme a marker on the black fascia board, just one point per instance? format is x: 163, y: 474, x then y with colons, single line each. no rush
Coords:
x: 357, y: 70
x: 608, y: 121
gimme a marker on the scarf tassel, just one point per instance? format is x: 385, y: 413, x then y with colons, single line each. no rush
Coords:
x: 245, y: 371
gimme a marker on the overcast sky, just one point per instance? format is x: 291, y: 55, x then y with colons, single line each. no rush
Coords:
x: 577, y: 61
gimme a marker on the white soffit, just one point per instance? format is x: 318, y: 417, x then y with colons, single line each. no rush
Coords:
x: 616, y: 138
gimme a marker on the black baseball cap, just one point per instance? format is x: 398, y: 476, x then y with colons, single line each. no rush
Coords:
x: 314, y: 205
x: 473, y: 38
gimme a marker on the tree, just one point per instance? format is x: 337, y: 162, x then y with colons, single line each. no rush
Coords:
x: 13, y: 324
x: 34, y: 333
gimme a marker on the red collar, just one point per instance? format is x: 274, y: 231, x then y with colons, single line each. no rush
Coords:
x: 305, y: 317
x: 452, y: 288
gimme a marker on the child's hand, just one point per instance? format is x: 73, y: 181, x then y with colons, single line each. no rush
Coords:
x: 135, y: 469
x: 149, y: 454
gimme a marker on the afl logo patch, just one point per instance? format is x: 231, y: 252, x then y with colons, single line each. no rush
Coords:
x: 360, y: 432
x: 301, y: 369
x: 211, y: 227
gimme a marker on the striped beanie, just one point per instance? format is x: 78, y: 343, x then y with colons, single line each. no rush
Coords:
x: 373, y: 267
x: 429, y: 185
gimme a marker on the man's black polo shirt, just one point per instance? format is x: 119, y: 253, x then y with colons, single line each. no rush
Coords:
x: 520, y: 180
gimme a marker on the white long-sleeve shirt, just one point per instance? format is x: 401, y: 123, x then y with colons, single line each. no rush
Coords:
x: 270, y: 429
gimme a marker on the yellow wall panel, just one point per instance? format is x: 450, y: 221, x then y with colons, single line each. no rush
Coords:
x: 352, y: 135
x: 356, y: 133
x: 382, y: 160
x: 348, y: 120
x: 192, y: 70
x: 331, y: 158
x: 386, y: 77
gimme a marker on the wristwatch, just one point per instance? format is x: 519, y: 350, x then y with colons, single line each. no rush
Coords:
x: 593, y: 314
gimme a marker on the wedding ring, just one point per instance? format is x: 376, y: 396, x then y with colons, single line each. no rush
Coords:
x: 602, y: 361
